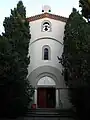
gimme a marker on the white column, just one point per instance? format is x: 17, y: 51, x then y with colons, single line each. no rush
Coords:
x: 35, y: 97
x: 57, y: 98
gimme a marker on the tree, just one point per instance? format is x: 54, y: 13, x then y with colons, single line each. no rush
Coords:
x: 73, y: 41
x: 76, y: 61
x: 19, y: 91
x: 85, y: 5
x: 5, y: 58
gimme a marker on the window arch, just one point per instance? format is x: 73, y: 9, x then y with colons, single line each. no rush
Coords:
x: 46, y: 26
x: 46, y: 52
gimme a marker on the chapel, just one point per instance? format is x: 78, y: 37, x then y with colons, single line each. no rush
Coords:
x: 45, y: 71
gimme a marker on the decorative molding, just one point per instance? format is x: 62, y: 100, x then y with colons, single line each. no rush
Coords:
x: 52, y: 76
x: 46, y: 38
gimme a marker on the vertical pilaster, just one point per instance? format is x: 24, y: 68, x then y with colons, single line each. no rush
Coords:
x: 57, y: 98
x: 35, y: 97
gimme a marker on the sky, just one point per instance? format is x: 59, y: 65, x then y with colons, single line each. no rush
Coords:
x: 34, y: 7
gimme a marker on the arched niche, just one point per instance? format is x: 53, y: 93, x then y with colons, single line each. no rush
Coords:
x: 46, y: 26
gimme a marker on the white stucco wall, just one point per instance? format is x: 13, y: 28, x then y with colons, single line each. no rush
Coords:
x: 36, y: 54
x: 57, y: 29
x: 54, y: 40
x: 35, y: 49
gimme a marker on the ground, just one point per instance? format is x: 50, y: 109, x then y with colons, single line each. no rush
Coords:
x: 40, y: 118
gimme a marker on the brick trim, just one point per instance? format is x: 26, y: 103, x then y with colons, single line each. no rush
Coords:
x: 47, y: 15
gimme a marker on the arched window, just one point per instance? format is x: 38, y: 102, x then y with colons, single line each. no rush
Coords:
x: 46, y: 26
x: 46, y: 53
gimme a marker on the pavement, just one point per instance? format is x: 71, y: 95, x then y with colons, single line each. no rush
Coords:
x: 40, y: 118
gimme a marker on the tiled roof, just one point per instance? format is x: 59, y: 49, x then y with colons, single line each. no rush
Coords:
x: 47, y: 15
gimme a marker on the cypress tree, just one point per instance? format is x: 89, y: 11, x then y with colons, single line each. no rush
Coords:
x: 76, y: 62
x: 85, y: 8
x: 17, y: 32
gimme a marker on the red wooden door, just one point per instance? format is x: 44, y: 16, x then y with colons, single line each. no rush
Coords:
x: 51, y: 98
x: 41, y: 97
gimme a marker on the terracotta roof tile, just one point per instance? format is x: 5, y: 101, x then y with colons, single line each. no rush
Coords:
x: 48, y: 15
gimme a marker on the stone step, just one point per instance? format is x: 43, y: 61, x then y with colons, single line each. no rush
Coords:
x: 48, y: 110
x: 55, y: 113
x: 42, y: 113
x: 49, y: 113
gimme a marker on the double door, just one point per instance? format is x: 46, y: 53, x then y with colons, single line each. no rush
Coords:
x: 46, y: 97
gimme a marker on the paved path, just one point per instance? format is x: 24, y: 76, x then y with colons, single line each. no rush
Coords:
x: 40, y: 118
x: 47, y: 118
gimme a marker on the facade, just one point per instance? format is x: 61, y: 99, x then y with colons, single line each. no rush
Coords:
x: 45, y: 71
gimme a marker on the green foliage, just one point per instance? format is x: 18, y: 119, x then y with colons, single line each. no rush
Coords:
x: 76, y: 61
x: 74, y: 45
x: 14, y: 44
x: 85, y: 5
x: 21, y: 9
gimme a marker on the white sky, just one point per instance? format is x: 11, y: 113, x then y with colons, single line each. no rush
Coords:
x: 33, y: 7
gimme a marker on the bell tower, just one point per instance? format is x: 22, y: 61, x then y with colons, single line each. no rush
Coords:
x: 45, y: 71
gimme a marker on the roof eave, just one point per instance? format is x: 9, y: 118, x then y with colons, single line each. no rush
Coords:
x: 47, y: 15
